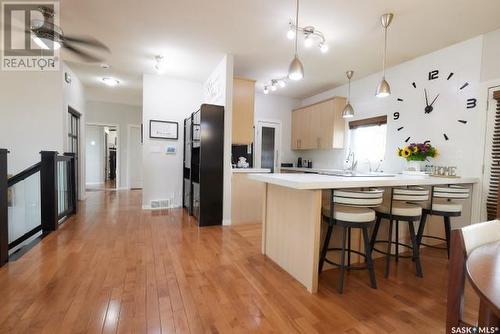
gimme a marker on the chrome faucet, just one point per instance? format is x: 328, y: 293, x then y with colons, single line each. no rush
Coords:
x: 351, y: 161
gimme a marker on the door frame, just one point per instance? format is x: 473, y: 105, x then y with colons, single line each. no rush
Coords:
x: 118, y: 152
x: 488, y: 123
x: 129, y: 128
x: 276, y: 124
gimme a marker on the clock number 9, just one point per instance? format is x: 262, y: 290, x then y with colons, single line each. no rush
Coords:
x: 396, y: 116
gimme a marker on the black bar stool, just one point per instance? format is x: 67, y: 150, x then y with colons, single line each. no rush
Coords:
x: 442, y: 204
x: 351, y: 209
x: 401, y: 208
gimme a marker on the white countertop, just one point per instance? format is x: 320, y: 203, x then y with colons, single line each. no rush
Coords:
x: 317, y: 181
x: 251, y: 170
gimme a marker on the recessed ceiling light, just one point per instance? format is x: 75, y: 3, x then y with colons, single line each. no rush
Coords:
x: 160, y: 64
x: 105, y: 66
x: 111, y: 82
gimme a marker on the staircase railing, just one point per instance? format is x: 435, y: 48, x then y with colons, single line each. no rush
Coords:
x: 35, y: 200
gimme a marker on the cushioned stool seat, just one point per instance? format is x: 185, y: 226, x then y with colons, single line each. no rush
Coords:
x: 443, y: 205
x: 351, y: 214
x: 401, y: 209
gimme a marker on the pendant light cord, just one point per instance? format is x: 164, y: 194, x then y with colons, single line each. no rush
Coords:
x: 296, y: 27
x: 349, y: 91
x: 385, y: 51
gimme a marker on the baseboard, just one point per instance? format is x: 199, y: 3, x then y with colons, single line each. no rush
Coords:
x: 226, y: 222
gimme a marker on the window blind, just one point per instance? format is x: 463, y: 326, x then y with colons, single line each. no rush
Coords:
x: 493, y: 200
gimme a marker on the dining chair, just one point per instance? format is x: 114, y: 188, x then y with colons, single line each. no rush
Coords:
x: 463, y: 242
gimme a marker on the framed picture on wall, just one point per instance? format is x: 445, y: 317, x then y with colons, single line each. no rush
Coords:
x: 163, y: 129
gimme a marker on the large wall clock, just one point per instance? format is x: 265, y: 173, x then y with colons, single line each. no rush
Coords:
x: 436, y: 106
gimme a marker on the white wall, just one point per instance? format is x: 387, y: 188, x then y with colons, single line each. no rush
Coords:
x: 33, y: 113
x: 278, y: 108
x: 30, y: 116
x: 116, y: 114
x: 166, y: 99
x: 464, y: 59
x: 94, y: 149
x: 491, y: 54
x: 218, y: 89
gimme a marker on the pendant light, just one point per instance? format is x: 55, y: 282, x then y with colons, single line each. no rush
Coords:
x: 296, y: 70
x: 348, y: 111
x: 383, y: 88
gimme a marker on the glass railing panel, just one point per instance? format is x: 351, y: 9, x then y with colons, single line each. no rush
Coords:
x: 24, y: 207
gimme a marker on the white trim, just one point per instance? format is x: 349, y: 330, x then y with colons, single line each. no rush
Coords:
x: 129, y: 127
x: 118, y: 152
x: 487, y: 128
x: 276, y: 124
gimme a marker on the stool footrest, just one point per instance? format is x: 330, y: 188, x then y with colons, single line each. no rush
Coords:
x: 351, y: 267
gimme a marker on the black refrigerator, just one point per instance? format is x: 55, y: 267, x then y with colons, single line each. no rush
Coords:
x: 204, y: 154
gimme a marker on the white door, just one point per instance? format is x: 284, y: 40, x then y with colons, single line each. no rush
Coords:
x: 134, y: 157
x: 268, y: 145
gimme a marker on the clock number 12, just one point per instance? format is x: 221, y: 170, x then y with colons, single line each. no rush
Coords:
x: 433, y: 75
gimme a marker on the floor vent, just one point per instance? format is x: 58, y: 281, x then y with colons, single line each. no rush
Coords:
x: 161, y: 204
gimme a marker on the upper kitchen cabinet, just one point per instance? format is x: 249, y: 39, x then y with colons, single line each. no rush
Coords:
x: 243, y: 111
x: 319, y: 126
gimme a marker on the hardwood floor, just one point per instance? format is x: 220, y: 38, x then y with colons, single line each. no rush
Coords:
x: 115, y: 268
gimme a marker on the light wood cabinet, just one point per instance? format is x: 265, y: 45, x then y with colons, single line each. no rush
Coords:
x: 319, y: 126
x: 246, y: 199
x: 243, y: 111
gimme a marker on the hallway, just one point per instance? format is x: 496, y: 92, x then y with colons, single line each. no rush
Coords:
x: 116, y: 268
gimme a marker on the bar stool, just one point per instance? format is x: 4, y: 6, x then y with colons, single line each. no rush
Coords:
x: 442, y: 204
x: 401, y: 207
x: 351, y: 209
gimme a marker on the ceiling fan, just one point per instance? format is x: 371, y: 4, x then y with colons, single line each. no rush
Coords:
x: 47, y: 35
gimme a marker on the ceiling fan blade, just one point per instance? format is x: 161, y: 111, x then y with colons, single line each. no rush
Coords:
x: 89, y: 41
x: 87, y: 57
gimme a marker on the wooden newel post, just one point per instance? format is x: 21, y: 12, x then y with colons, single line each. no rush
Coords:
x: 72, y: 182
x: 4, y: 214
x: 48, y: 191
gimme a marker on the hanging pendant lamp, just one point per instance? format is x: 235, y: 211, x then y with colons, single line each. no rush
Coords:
x: 384, y: 89
x: 348, y: 111
x: 296, y: 69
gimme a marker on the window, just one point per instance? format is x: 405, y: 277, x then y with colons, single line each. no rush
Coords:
x: 367, y: 139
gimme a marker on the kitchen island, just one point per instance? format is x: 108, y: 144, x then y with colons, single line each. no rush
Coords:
x: 291, y: 215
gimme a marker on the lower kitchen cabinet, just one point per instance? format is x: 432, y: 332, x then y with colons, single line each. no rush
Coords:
x: 246, y: 199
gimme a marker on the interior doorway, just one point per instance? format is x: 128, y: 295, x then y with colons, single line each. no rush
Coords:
x: 102, y: 157
x: 268, y: 145
x: 74, y: 142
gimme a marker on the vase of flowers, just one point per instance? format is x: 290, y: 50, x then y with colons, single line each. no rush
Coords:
x: 416, y: 153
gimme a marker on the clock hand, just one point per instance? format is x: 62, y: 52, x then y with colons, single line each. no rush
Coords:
x: 426, y: 99
x: 434, y: 100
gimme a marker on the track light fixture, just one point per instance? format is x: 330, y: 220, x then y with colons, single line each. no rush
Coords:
x: 311, y: 35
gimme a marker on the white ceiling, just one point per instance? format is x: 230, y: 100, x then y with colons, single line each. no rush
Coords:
x: 194, y: 35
